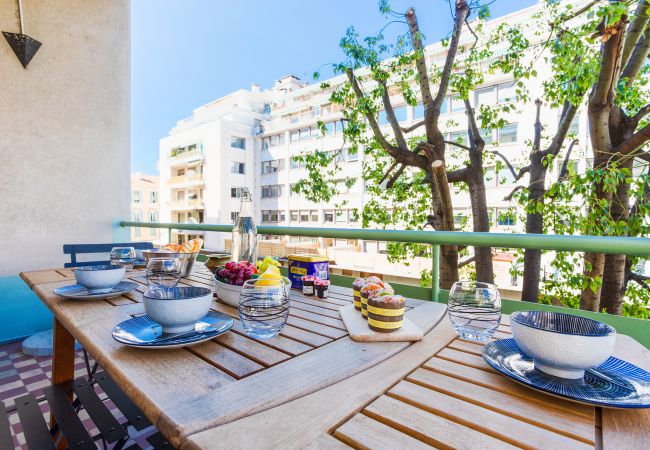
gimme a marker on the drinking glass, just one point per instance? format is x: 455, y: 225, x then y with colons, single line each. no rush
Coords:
x: 474, y: 310
x: 263, y: 309
x: 163, y: 272
x: 123, y: 256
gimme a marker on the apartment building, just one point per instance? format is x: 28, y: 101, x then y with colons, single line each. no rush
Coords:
x: 145, y: 206
x: 249, y: 139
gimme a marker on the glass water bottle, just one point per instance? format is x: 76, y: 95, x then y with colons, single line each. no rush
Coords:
x: 244, y: 232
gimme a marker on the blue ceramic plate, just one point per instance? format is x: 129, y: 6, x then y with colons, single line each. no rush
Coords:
x: 613, y: 384
x: 78, y: 292
x: 141, y: 331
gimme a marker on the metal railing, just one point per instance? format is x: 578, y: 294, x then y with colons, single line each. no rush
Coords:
x: 639, y: 329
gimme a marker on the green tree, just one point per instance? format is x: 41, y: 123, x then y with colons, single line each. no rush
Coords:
x: 408, y: 174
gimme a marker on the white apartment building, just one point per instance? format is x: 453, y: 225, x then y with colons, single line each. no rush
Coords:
x: 248, y: 139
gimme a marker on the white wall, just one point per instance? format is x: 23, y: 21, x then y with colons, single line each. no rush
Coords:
x: 64, y: 130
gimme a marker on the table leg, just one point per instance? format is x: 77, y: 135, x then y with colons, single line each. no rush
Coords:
x: 62, y: 354
x: 62, y: 362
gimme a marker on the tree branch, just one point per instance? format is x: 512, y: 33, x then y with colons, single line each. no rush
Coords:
x: 641, y: 113
x: 423, y: 75
x: 509, y: 196
x: 458, y: 175
x: 569, y: 113
x: 634, y: 142
x: 609, y: 66
x: 412, y: 127
x: 564, y: 171
x: 392, y: 119
x: 464, y: 147
x: 402, y: 155
x: 474, y: 132
x: 635, y: 30
x: 510, y: 166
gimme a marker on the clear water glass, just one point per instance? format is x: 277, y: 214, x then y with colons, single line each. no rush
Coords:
x: 123, y: 256
x: 474, y: 309
x: 263, y: 309
x: 163, y: 272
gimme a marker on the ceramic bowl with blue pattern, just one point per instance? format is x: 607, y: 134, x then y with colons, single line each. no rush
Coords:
x: 99, y: 279
x: 177, y: 309
x: 562, y: 344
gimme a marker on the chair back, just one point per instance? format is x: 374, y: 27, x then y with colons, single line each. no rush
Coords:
x: 79, y: 249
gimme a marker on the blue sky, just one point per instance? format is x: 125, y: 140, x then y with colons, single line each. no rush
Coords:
x: 185, y: 53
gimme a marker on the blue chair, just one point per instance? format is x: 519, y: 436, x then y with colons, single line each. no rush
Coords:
x: 79, y: 249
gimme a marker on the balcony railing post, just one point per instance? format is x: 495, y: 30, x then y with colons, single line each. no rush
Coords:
x: 435, y: 272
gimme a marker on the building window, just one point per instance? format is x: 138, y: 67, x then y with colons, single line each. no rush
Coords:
x: 490, y: 177
x: 505, y: 218
x: 507, y: 134
x: 135, y: 196
x: 236, y: 192
x: 486, y: 134
x: 233, y: 216
x: 484, y: 96
x: 272, y: 216
x: 505, y: 178
x: 328, y: 216
x: 460, y: 137
x: 330, y: 128
x: 418, y: 111
x: 238, y: 142
x: 295, y: 164
x: 273, y: 166
x: 444, y: 108
x: 272, y: 191
x: 457, y: 104
x: 506, y: 93
x: 154, y: 197
x: 238, y: 167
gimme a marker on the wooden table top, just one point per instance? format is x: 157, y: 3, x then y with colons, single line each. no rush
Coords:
x: 438, y: 393
x: 189, y: 390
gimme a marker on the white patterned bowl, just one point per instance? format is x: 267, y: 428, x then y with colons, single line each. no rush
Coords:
x: 99, y: 279
x: 177, y: 309
x: 561, y: 344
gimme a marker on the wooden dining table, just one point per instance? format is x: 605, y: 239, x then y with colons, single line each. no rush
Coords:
x: 312, y: 386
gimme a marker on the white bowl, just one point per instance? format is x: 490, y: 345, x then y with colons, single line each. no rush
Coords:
x: 177, y: 309
x: 99, y: 279
x: 561, y: 344
x: 229, y: 293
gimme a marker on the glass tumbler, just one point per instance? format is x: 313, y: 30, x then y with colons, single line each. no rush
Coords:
x: 263, y: 307
x: 474, y: 310
x: 163, y: 272
x: 123, y: 256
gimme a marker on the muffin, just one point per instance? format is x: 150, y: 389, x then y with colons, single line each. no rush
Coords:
x: 365, y: 293
x: 386, y: 313
x: 356, y: 292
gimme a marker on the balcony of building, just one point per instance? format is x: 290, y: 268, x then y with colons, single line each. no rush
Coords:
x: 310, y: 386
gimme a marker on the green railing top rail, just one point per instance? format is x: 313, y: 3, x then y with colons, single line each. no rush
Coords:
x: 601, y: 244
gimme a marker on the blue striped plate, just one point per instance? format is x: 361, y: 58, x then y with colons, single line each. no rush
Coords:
x: 141, y: 331
x: 613, y: 384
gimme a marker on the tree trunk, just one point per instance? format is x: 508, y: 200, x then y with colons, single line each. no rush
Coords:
x: 480, y: 219
x: 611, y: 297
x: 444, y: 215
x: 534, y: 224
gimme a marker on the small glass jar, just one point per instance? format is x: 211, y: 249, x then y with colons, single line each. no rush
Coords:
x: 308, y: 285
x: 321, y: 287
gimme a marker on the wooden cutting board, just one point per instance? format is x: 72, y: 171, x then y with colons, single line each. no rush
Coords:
x: 359, y: 330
